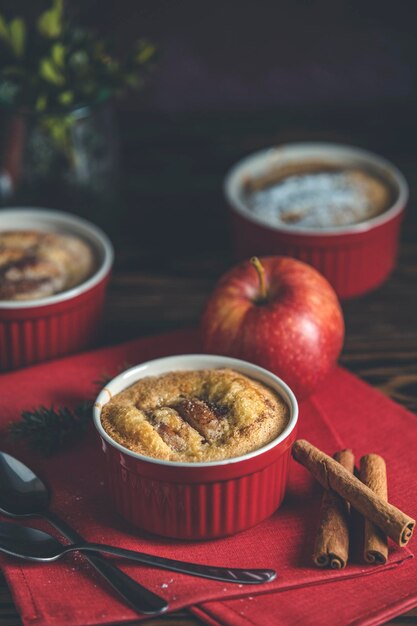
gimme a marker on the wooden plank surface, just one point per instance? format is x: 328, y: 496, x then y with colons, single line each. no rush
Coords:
x: 172, y: 242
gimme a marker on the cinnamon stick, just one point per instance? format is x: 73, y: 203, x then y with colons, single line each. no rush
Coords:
x: 373, y: 473
x: 331, y: 475
x: 331, y: 547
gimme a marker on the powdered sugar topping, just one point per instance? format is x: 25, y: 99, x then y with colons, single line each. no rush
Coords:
x: 321, y: 199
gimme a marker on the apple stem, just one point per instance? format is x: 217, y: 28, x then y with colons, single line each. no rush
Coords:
x: 263, y: 294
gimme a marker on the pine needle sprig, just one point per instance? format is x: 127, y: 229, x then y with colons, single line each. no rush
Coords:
x: 49, y: 430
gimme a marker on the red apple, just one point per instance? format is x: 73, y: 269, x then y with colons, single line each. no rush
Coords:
x: 278, y: 313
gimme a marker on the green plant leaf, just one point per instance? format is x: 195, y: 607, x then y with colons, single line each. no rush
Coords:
x: 50, y: 72
x: 41, y: 102
x: 145, y: 53
x: 58, y: 129
x: 17, y: 30
x: 50, y: 22
x: 66, y: 98
x: 133, y: 80
x: 58, y: 54
x: 4, y: 31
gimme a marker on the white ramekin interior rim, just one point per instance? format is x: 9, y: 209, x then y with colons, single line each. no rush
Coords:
x: 342, y: 154
x: 23, y: 218
x: 194, y: 362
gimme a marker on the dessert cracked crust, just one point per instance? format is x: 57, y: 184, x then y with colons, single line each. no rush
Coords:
x: 195, y: 416
x: 37, y: 264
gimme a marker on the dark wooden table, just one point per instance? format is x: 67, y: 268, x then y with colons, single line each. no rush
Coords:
x: 171, y: 236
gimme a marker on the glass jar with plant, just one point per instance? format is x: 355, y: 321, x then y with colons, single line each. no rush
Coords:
x: 57, y: 79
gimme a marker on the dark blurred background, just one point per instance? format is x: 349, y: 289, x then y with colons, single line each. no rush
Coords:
x: 249, y: 56
x: 240, y: 75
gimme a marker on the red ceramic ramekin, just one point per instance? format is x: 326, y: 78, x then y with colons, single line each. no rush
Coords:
x: 355, y: 258
x: 37, y: 330
x: 197, y: 500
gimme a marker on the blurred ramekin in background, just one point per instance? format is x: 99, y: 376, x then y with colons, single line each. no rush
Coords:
x: 32, y: 331
x: 354, y: 258
x: 197, y: 500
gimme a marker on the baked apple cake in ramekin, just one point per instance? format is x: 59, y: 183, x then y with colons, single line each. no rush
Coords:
x: 196, y: 446
x: 36, y: 264
x: 54, y: 270
x: 200, y: 415
x: 337, y: 207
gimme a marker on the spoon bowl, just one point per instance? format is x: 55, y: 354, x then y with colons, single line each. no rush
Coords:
x: 29, y: 543
x: 22, y: 493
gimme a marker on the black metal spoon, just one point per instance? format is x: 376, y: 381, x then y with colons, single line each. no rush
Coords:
x: 23, y: 494
x: 35, y: 545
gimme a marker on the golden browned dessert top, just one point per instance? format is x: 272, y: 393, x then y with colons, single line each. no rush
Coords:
x: 195, y: 416
x: 36, y: 264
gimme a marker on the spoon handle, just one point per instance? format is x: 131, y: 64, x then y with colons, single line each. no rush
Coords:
x: 138, y: 597
x: 225, y: 574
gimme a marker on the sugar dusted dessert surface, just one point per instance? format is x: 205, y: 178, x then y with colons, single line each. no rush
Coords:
x: 195, y: 416
x: 319, y: 197
x: 36, y: 264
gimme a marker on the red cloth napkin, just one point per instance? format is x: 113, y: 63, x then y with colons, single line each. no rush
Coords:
x: 69, y: 592
x: 366, y: 421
